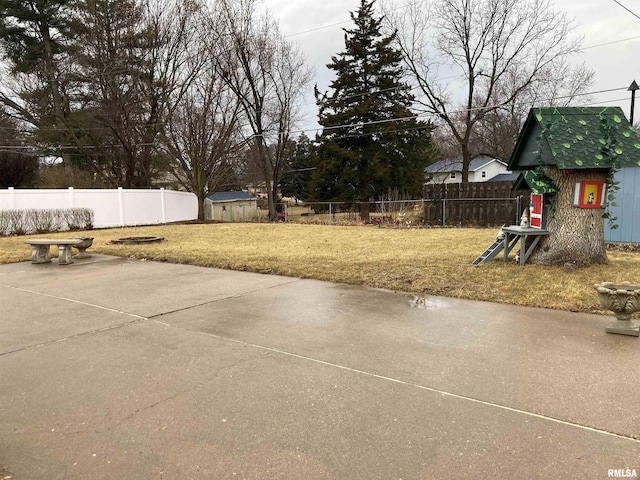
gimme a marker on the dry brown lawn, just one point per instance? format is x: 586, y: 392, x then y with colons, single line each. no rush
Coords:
x: 422, y: 261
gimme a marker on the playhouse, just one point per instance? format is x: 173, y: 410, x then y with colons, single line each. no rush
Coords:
x: 577, y: 146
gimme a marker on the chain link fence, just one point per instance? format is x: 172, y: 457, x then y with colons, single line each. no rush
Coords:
x: 392, y: 212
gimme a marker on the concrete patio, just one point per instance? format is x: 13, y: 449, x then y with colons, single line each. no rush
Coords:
x: 127, y: 369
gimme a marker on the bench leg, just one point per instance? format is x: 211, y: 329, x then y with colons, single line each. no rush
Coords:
x: 64, y: 255
x: 40, y: 254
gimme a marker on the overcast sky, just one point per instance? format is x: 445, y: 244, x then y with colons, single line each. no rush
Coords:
x: 596, y: 22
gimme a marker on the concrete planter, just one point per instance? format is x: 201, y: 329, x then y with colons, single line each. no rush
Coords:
x: 85, y: 242
x: 622, y: 299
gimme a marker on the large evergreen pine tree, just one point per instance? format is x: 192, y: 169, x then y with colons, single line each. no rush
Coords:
x: 33, y: 37
x: 371, y: 141
x: 33, y: 33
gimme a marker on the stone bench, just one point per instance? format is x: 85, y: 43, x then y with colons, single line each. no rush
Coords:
x: 40, y: 249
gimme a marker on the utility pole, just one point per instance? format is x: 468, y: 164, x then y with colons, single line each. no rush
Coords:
x: 632, y: 88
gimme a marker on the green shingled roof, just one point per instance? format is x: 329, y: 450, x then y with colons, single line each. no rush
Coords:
x: 573, y: 138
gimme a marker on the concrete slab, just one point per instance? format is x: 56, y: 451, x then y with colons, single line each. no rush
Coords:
x: 558, y: 364
x: 215, y: 374
x: 138, y: 287
x: 153, y: 401
x: 30, y: 320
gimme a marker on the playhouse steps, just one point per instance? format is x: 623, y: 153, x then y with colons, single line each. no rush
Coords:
x: 490, y: 253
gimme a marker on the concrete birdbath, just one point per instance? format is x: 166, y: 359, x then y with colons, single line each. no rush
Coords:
x: 622, y: 299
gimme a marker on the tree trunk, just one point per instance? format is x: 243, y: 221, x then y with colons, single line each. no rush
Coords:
x: 576, y: 235
x: 274, y: 196
x: 54, y: 86
x: 201, y: 208
x: 466, y: 161
x: 365, y: 212
x: 271, y: 201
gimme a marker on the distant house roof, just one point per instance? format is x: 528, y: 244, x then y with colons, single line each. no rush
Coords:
x: 230, y: 196
x: 446, y: 166
x: 504, y: 177
x: 574, y: 138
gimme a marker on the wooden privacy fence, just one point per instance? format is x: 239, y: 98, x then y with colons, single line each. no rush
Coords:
x: 482, y: 204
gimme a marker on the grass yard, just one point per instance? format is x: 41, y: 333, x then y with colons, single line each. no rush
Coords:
x: 421, y: 261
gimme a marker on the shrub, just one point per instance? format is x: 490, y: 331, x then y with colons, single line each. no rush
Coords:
x: 43, y: 221
x: 87, y: 218
x: 4, y: 223
x: 21, y: 222
x: 17, y: 222
x: 78, y: 218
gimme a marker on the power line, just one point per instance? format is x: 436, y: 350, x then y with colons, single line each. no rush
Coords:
x: 300, y: 170
x: 433, y: 114
x: 610, y: 101
x: 630, y: 11
x: 322, y: 27
x: 397, y: 130
x: 317, y: 28
x: 461, y: 75
x: 353, y: 125
x: 365, y: 93
x: 409, y: 89
x: 330, y: 25
x: 438, y: 115
x: 610, y: 43
x: 76, y: 147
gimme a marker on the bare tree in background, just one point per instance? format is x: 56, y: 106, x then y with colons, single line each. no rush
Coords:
x: 268, y: 75
x: 113, y: 92
x: 134, y: 62
x: 561, y: 85
x: 502, y: 54
x: 97, y: 78
x: 202, y: 136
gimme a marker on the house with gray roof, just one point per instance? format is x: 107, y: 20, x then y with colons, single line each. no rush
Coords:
x: 481, y: 169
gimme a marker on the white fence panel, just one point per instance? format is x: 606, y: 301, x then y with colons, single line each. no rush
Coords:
x: 112, y: 208
x: 34, y: 199
x: 140, y: 208
x: 104, y: 203
x: 176, y: 203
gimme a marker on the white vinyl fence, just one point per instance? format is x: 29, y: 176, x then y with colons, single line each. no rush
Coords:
x: 112, y: 208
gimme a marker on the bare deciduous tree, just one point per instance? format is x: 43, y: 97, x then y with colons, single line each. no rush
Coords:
x: 116, y: 78
x: 267, y: 74
x: 478, y: 62
x: 134, y: 64
x: 561, y: 85
x: 202, y: 134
